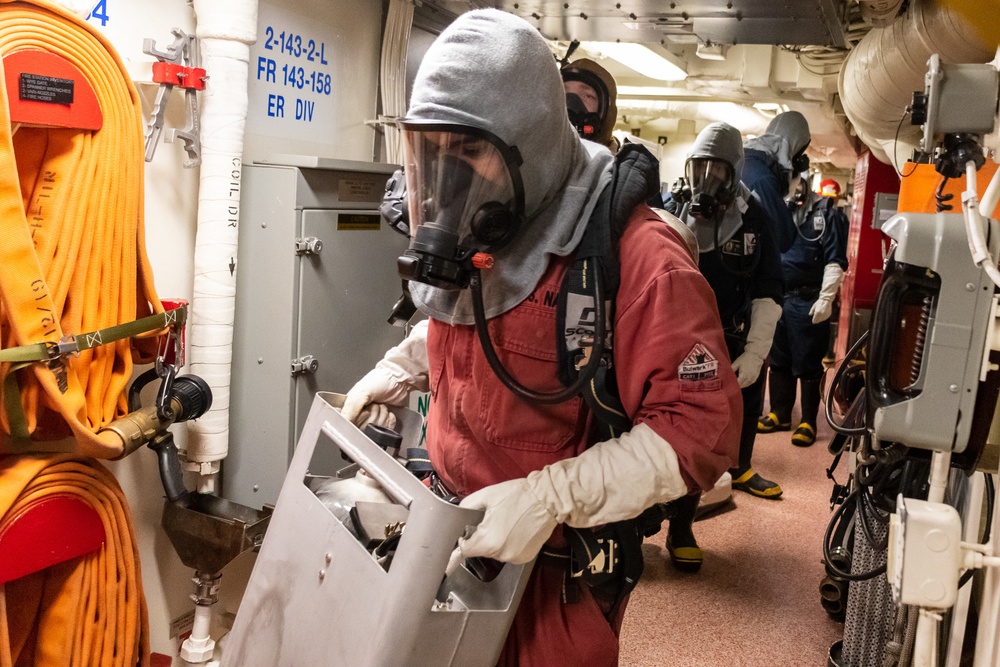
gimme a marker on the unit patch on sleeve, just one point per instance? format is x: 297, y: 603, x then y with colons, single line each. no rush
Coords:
x: 699, y: 364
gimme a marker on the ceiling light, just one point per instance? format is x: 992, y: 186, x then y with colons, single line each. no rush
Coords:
x: 639, y: 58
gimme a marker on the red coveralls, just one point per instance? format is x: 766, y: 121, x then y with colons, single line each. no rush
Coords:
x: 673, y: 374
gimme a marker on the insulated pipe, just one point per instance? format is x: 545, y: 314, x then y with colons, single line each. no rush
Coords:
x: 744, y: 119
x: 881, y: 73
x: 225, y: 31
x: 392, y: 76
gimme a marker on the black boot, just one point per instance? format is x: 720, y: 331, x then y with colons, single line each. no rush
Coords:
x: 681, y: 545
x: 781, y: 385
x: 805, y: 434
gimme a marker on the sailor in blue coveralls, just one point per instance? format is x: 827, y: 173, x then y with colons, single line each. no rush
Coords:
x: 813, y: 269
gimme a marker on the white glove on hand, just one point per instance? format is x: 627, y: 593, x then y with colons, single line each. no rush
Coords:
x: 402, y: 370
x: 833, y: 275
x: 613, y: 480
x: 515, y: 526
x: 764, y: 316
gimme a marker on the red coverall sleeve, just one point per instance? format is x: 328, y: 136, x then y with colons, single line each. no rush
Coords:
x: 672, y: 365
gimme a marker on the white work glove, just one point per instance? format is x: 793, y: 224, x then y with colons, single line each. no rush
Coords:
x: 402, y: 370
x: 613, y: 480
x: 764, y: 316
x: 833, y: 275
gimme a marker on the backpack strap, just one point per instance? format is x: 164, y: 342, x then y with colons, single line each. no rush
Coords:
x: 635, y: 176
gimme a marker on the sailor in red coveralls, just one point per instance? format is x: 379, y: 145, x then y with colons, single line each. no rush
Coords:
x: 493, y: 163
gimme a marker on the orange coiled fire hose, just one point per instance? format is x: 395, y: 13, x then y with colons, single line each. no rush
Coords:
x: 80, y: 265
x: 86, y: 612
x: 72, y: 261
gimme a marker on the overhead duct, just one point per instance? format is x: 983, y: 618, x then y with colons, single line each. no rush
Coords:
x: 881, y: 73
x: 745, y: 119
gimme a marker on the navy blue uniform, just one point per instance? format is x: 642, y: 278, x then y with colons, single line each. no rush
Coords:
x: 799, y: 345
x: 765, y: 177
x: 747, y: 267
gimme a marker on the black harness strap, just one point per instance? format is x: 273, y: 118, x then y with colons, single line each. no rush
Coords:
x: 635, y: 177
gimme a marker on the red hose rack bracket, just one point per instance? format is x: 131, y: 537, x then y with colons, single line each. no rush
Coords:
x: 179, y: 75
x: 46, y: 89
x: 49, y: 531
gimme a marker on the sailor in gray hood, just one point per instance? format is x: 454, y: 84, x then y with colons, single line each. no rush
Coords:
x: 501, y: 190
x: 561, y: 180
x: 740, y: 260
x: 774, y: 161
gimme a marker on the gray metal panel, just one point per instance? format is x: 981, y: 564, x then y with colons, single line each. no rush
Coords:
x: 346, y: 294
x: 940, y: 416
x: 720, y: 21
x: 348, y: 291
x: 263, y: 338
x: 886, y: 205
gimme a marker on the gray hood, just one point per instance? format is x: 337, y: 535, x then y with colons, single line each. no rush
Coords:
x: 723, y: 142
x: 786, y: 135
x: 492, y: 70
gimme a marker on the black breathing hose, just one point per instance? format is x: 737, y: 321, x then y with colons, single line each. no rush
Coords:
x: 546, y: 398
x: 831, y: 568
x: 837, y: 378
x: 818, y: 237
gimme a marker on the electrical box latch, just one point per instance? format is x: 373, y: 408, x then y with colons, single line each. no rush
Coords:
x: 305, y: 365
x: 308, y: 246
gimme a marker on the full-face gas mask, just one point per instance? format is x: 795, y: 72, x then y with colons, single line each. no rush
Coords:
x: 713, y: 186
x: 587, y: 123
x: 466, y: 201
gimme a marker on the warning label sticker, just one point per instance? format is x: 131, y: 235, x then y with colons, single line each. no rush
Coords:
x: 358, y: 221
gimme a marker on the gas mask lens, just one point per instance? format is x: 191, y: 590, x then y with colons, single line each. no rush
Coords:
x: 713, y: 183
x: 465, y: 197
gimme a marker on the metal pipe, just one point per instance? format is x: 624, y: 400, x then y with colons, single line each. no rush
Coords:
x: 987, y: 654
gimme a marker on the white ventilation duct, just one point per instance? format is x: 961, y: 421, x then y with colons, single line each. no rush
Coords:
x: 881, y: 73
x: 225, y: 30
x: 745, y: 119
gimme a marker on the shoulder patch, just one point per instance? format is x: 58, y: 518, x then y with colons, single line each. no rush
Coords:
x: 699, y: 364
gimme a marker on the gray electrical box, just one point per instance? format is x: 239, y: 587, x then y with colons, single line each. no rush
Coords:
x: 316, y: 282
x: 886, y: 205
